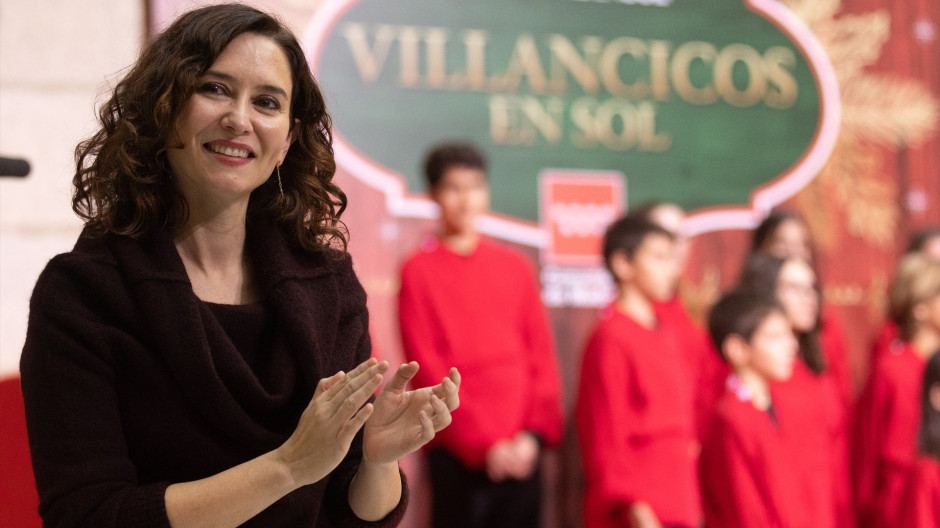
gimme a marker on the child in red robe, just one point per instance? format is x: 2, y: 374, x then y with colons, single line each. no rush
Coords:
x: 889, y: 409
x: 926, y: 241
x: 920, y: 503
x: 678, y: 312
x: 634, y: 409
x: 814, y: 400
x: 747, y: 473
x: 467, y: 301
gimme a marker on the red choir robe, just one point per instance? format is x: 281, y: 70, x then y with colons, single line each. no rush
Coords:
x: 710, y: 370
x: 884, y: 436
x: 483, y: 314
x: 747, y: 468
x: 920, y: 503
x: 888, y: 336
x: 817, y: 410
x: 842, y: 408
x: 634, y: 417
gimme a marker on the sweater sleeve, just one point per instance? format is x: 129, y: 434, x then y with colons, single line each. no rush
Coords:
x: 84, y: 474
x: 353, y: 335
x: 545, y: 415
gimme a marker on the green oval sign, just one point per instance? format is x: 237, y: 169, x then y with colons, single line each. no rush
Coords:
x: 726, y: 107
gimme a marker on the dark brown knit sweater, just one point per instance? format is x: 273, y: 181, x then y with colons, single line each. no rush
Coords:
x: 130, y: 383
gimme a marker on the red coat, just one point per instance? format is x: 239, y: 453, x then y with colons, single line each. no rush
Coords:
x: 884, y: 437
x: 483, y: 314
x: 635, y: 423
x: 747, y: 469
x: 920, y: 503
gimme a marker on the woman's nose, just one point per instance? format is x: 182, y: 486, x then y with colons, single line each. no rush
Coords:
x: 236, y: 118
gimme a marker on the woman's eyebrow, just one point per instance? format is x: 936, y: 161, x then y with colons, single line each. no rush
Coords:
x: 231, y: 79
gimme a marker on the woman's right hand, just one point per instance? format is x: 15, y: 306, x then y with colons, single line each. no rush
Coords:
x: 331, y: 420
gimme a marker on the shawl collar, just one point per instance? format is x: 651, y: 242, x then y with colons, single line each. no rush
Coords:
x: 301, y: 291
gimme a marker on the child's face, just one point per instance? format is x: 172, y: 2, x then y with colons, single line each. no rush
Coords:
x: 773, y: 348
x: 671, y: 218
x: 796, y: 290
x: 462, y: 195
x: 790, y: 239
x: 655, y: 267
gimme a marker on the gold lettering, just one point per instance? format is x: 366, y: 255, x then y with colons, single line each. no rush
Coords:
x: 659, y: 69
x: 525, y: 61
x: 582, y: 115
x: 368, y: 60
x: 475, y: 43
x: 436, y: 41
x: 647, y: 136
x: 752, y: 93
x: 545, y: 119
x: 610, y: 67
x: 520, y: 120
x: 682, y: 61
x: 408, y: 40
x: 783, y: 88
x: 565, y: 58
x: 605, y: 123
x: 499, y: 119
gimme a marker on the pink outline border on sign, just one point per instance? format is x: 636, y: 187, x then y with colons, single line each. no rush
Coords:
x: 400, y: 203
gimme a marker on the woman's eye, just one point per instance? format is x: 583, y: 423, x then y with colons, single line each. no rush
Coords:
x: 213, y: 88
x: 268, y: 103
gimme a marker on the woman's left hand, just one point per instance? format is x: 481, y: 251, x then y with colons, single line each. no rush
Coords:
x: 404, y: 420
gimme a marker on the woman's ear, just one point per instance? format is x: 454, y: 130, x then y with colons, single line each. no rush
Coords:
x: 291, y: 137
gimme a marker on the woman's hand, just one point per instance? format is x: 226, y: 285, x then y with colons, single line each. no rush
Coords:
x: 327, y: 427
x: 404, y: 420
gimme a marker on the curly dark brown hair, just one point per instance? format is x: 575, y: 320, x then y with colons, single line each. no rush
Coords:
x: 123, y: 183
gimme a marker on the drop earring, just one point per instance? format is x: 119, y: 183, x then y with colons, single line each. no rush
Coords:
x: 280, y: 186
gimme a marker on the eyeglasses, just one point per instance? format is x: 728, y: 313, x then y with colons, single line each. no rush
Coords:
x: 799, y: 289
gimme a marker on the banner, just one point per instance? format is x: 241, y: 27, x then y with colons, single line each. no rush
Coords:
x: 727, y: 107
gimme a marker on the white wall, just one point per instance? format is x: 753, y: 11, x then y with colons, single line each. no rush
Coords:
x: 56, y: 58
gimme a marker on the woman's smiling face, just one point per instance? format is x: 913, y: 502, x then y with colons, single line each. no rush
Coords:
x: 235, y: 128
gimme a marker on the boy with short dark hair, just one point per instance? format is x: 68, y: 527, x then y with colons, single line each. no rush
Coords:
x: 636, y: 395
x: 747, y: 462
x: 470, y: 302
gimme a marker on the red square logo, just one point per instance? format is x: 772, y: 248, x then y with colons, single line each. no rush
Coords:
x: 575, y: 208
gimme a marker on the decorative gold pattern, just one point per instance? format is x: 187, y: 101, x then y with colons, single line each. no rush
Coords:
x: 877, y: 110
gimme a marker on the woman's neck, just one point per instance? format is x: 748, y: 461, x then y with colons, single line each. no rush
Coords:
x: 637, y: 306
x: 213, y: 253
